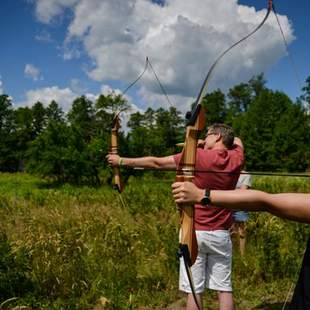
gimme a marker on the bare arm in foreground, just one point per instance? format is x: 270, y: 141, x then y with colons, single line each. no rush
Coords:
x: 293, y: 206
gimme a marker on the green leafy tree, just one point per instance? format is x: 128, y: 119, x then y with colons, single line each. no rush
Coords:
x: 137, y: 138
x: 306, y: 93
x: 8, y: 159
x: 60, y: 152
x: 54, y: 113
x: 258, y: 84
x: 112, y: 103
x: 241, y: 96
x: 135, y: 121
x: 239, y: 100
x: 82, y: 117
x: 77, y: 161
x: 38, y: 118
x: 274, y: 131
x: 215, y: 107
x: 47, y: 153
x: 6, y: 115
x: 155, y: 132
x: 170, y: 130
x: 24, y: 133
x: 106, y: 108
x: 291, y: 137
x: 75, y: 151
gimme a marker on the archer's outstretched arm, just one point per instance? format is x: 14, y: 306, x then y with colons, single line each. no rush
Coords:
x: 152, y: 162
x: 293, y: 206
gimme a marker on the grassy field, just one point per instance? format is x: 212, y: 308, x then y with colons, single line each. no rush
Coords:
x: 68, y: 247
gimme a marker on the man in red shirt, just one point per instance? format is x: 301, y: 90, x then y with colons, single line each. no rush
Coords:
x: 222, y: 154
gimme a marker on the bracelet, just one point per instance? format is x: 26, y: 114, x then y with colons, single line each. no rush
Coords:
x: 120, y: 161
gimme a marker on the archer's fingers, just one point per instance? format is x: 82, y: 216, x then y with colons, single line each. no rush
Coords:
x: 177, y: 185
x: 179, y: 197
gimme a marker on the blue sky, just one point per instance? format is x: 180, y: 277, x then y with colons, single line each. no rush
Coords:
x: 60, y: 49
x: 282, y: 75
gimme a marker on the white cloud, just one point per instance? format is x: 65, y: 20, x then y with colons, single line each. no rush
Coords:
x: 182, y: 39
x: 107, y: 89
x: 63, y: 96
x: 78, y: 86
x: 47, y: 10
x: 156, y: 101
x: 33, y: 72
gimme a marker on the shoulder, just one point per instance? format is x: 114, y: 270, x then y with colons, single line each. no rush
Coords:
x: 237, y: 150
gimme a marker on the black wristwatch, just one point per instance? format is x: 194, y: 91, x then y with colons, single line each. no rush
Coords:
x: 206, y: 199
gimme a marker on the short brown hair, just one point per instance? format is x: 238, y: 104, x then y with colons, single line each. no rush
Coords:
x: 226, y: 132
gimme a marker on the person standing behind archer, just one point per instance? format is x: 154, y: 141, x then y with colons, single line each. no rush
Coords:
x: 241, y: 217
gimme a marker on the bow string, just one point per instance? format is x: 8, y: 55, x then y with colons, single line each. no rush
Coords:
x: 116, y: 123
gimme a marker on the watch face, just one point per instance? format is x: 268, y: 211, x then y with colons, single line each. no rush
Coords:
x: 205, y: 201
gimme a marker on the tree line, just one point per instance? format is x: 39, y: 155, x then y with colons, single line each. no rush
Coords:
x: 71, y: 147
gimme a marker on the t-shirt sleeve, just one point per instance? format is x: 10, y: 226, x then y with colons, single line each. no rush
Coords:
x: 240, y: 152
x: 244, y: 179
x: 177, y: 158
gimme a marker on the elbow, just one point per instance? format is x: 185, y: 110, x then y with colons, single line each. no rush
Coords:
x: 156, y: 163
x: 149, y: 162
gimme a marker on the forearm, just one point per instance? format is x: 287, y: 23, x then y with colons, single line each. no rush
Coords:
x: 293, y: 206
x: 142, y: 162
x: 149, y: 162
x: 250, y: 200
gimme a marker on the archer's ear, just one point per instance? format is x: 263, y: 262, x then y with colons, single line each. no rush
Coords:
x: 218, y: 137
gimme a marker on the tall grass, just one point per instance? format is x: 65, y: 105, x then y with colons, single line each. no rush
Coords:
x: 68, y: 247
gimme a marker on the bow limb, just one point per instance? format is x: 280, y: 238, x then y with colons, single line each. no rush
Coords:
x: 185, y: 172
x: 117, y: 184
x: 204, y: 87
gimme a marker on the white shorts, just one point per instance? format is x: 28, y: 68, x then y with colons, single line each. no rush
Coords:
x: 212, y: 268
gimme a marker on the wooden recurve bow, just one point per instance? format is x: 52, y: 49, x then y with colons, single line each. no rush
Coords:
x: 117, y: 183
x: 188, y: 247
x: 185, y: 172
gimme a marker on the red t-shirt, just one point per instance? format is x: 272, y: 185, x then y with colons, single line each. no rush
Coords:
x: 229, y: 163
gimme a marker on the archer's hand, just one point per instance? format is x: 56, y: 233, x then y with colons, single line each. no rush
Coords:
x: 113, y: 160
x: 186, y: 192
